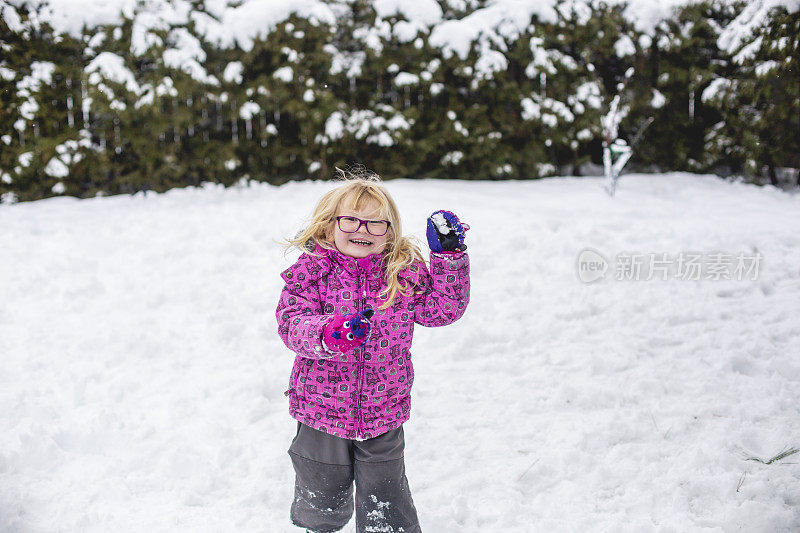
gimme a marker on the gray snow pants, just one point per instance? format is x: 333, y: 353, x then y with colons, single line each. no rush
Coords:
x: 325, y: 468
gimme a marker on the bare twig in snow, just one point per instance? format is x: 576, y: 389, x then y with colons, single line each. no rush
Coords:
x: 782, y: 455
x: 527, y: 470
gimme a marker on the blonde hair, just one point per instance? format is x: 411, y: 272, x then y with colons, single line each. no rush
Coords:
x: 358, y: 188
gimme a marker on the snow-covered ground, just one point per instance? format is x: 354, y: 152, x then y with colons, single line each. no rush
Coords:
x: 141, y: 374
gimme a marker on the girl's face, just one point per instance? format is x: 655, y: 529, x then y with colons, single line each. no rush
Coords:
x: 360, y: 243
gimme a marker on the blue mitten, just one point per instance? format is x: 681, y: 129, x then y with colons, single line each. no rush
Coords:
x: 446, y: 232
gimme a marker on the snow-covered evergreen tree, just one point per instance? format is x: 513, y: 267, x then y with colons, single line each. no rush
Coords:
x: 167, y: 94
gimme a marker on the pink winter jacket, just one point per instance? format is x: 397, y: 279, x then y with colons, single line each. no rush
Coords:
x: 366, y: 392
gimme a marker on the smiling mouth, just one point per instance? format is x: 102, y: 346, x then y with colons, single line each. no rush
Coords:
x: 361, y: 242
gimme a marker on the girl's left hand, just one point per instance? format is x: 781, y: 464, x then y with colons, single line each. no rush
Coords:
x: 344, y: 333
x: 446, y: 232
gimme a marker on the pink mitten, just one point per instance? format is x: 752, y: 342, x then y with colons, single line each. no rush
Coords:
x: 344, y: 333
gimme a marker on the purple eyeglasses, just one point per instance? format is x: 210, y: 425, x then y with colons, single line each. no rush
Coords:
x: 350, y: 224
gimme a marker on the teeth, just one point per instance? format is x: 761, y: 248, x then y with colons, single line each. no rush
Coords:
x: 364, y: 243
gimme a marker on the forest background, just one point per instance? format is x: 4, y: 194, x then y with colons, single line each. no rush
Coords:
x: 129, y: 96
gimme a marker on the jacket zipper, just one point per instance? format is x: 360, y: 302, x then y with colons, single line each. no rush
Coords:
x: 358, y: 393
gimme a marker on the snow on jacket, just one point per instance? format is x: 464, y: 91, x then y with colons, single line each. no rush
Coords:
x: 366, y: 392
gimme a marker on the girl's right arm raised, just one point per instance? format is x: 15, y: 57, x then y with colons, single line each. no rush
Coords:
x: 300, y: 318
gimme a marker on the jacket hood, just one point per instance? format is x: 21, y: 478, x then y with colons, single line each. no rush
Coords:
x: 321, y: 261
x: 370, y: 264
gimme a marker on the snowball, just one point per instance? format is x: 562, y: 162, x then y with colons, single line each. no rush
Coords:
x: 441, y: 223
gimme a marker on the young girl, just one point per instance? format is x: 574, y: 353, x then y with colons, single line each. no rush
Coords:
x: 348, y: 311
